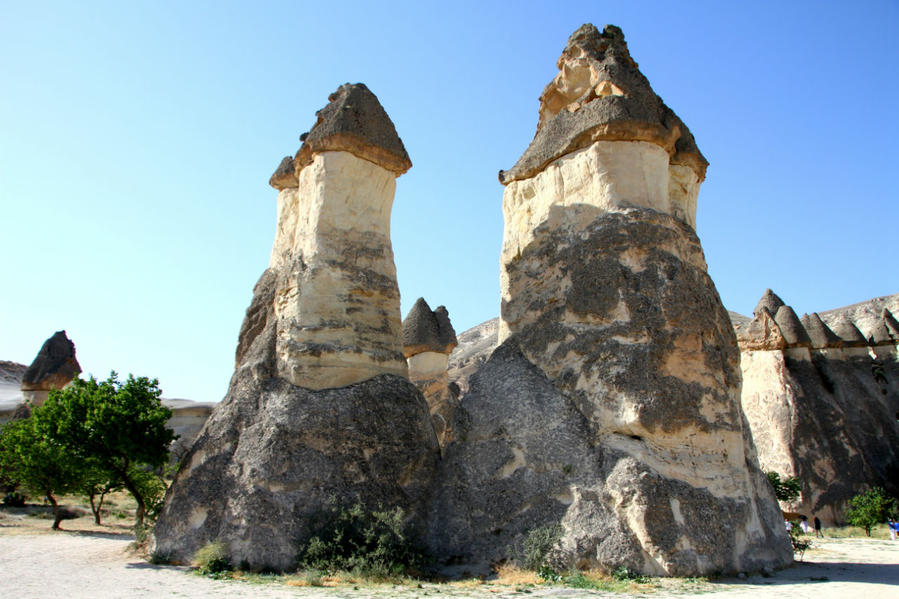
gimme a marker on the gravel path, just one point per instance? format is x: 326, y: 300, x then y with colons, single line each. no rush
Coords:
x: 96, y: 565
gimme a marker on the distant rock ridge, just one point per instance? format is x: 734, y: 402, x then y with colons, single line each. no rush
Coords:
x: 822, y: 399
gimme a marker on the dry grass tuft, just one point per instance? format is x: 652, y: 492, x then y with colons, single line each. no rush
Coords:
x: 511, y: 574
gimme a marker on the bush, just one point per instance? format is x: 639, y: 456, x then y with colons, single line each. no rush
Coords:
x: 212, y: 559
x: 375, y: 544
x: 533, y: 553
x: 787, y: 489
x: 14, y: 499
x: 870, y: 508
x: 623, y: 574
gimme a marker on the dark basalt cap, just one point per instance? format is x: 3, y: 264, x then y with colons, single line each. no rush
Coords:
x: 285, y: 175
x: 354, y: 121
x: 54, y: 366
x: 425, y: 330
x: 849, y: 333
x: 819, y: 332
x: 762, y: 333
x: 770, y: 301
x: 600, y: 94
x: 793, y: 331
x: 891, y: 323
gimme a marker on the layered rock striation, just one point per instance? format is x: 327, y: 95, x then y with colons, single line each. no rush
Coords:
x: 319, y: 409
x: 822, y: 400
x: 611, y: 406
x: 428, y: 341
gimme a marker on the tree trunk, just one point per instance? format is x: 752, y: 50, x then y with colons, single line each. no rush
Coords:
x: 96, y: 509
x: 57, y: 517
x: 135, y: 492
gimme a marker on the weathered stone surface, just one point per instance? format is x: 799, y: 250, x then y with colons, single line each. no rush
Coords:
x: 425, y: 330
x: 849, y: 333
x: 770, y: 301
x: 319, y: 408
x: 827, y: 414
x: 475, y: 346
x: 819, y: 333
x: 829, y: 421
x: 54, y: 367
x: 762, y: 332
x: 273, y: 455
x: 611, y: 405
x: 187, y: 420
x: 601, y: 95
x: 880, y: 335
x: 338, y: 303
x: 614, y: 412
x: 428, y: 339
x: 285, y: 175
x: 354, y: 121
x: 891, y: 323
x: 791, y: 327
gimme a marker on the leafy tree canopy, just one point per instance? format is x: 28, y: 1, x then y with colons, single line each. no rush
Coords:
x: 870, y: 508
x: 787, y: 489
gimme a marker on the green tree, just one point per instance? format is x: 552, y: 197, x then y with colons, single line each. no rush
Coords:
x: 38, y: 461
x: 870, y: 508
x: 119, y: 428
x: 787, y: 489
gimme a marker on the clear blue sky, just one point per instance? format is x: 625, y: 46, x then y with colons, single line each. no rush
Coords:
x: 137, y: 139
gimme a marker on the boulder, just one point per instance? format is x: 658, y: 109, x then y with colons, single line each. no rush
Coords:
x: 319, y: 410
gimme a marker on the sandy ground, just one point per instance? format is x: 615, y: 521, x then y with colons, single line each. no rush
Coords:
x: 86, y: 562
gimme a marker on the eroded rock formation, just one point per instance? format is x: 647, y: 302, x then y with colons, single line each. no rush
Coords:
x: 319, y: 407
x: 428, y: 340
x: 611, y: 405
x: 822, y: 401
x: 54, y: 367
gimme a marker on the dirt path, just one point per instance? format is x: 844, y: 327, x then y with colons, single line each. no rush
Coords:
x: 97, y: 565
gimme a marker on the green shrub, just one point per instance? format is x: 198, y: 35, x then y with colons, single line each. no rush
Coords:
x: 870, y: 508
x: 371, y: 544
x: 623, y: 574
x: 14, y: 499
x: 533, y: 553
x: 212, y: 558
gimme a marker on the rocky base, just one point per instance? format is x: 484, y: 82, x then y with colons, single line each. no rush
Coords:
x: 613, y: 409
x: 273, y: 456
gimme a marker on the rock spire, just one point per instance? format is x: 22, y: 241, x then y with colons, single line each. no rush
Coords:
x: 428, y: 340
x: 770, y: 301
x: 319, y: 408
x: 614, y: 348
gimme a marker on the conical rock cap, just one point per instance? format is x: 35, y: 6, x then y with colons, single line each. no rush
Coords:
x: 600, y: 94
x: 354, y: 121
x: 819, y: 332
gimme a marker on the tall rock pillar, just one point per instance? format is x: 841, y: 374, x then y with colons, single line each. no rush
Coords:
x: 611, y: 407
x: 320, y: 408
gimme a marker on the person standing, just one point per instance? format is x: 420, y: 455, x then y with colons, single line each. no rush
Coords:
x: 818, y: 532
x: 893, y: 525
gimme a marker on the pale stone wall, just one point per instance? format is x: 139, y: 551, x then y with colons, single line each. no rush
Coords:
x: 339, y: 310
x: 605, y: 176
x: 427, y: 365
